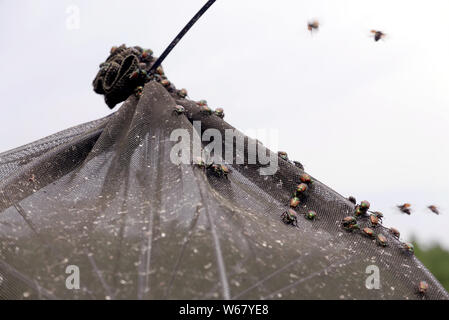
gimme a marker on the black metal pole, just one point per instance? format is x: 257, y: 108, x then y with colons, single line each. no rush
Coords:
x: 180, y: 35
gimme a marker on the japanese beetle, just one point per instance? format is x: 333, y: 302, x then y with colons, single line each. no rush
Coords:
x: 294, y: 202
x: 143, y: 72
x: 352, y: 199
x: 134, y: 74
x: 290, y: 217
x: 200, y: 163
x: 378, y: 214
x: 219, y: 113
x: 313, y: 25
x: 434, y: 209
x: 305, y: 178
x: 358, y: 212
x: 146, y: 54
x: 374, y: 220
x: 368, y: 232
x: 283, y: 155
x: 224, y: 170
x: 301, y: 188
x: 216, y: 169
x: 219, y: 170
x: 202, y: 103
x: 138, y: 91
x: 395, y: 232
x: 347, y: 221
x: 113, y: 49
x: 311, y: 215
x: 381, y: 240
x: 352, y: 227
x: 378, y: 35
x: 364, y: 205
x: 423, y: 287
x: 160, y: 70
x: 182, y: 93
x: 165, y: 82
x: 179, y: 109
x: 408, y: 247
x: 405, y: 208
x: 206, y: 110
x: 299, y: 165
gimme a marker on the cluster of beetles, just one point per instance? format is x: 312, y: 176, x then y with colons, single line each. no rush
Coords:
x: 349, y: 223
x: 290, y: 216
x: 205, y: 109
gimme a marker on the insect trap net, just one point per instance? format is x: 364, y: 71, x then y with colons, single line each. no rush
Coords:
x: 103, y: 201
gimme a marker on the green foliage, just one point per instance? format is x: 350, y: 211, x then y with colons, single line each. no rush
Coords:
x: 436, y: 259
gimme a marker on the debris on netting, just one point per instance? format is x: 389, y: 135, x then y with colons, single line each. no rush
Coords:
x: 405, y: 208
x: 138, y: 91
x: 182, y: 93
x: 395, y: 232
x: 408, y: 247
x: 311, y: 215
x: 32, y: 178
x: 283, y: 155
x: 381, y: 240
x: 352, y: 199
x: 294, y: 202
x: 434, y: 209
x: 290, y: 217
x: 423, y: 287
x: 219, y: 112
x: 179, y: 109
x: 368, y: 232
x: 313, y: 25
x: 378, y: 35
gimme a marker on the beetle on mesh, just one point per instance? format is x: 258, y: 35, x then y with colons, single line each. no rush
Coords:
x: 179, y: 110
x: 381, y: 240
x: 290, y: 217
x: 311, y: 215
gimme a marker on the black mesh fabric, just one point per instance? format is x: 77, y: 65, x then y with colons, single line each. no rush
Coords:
x: 104, y: 196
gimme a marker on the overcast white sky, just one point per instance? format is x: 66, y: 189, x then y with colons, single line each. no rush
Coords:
x: 368, y: 119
